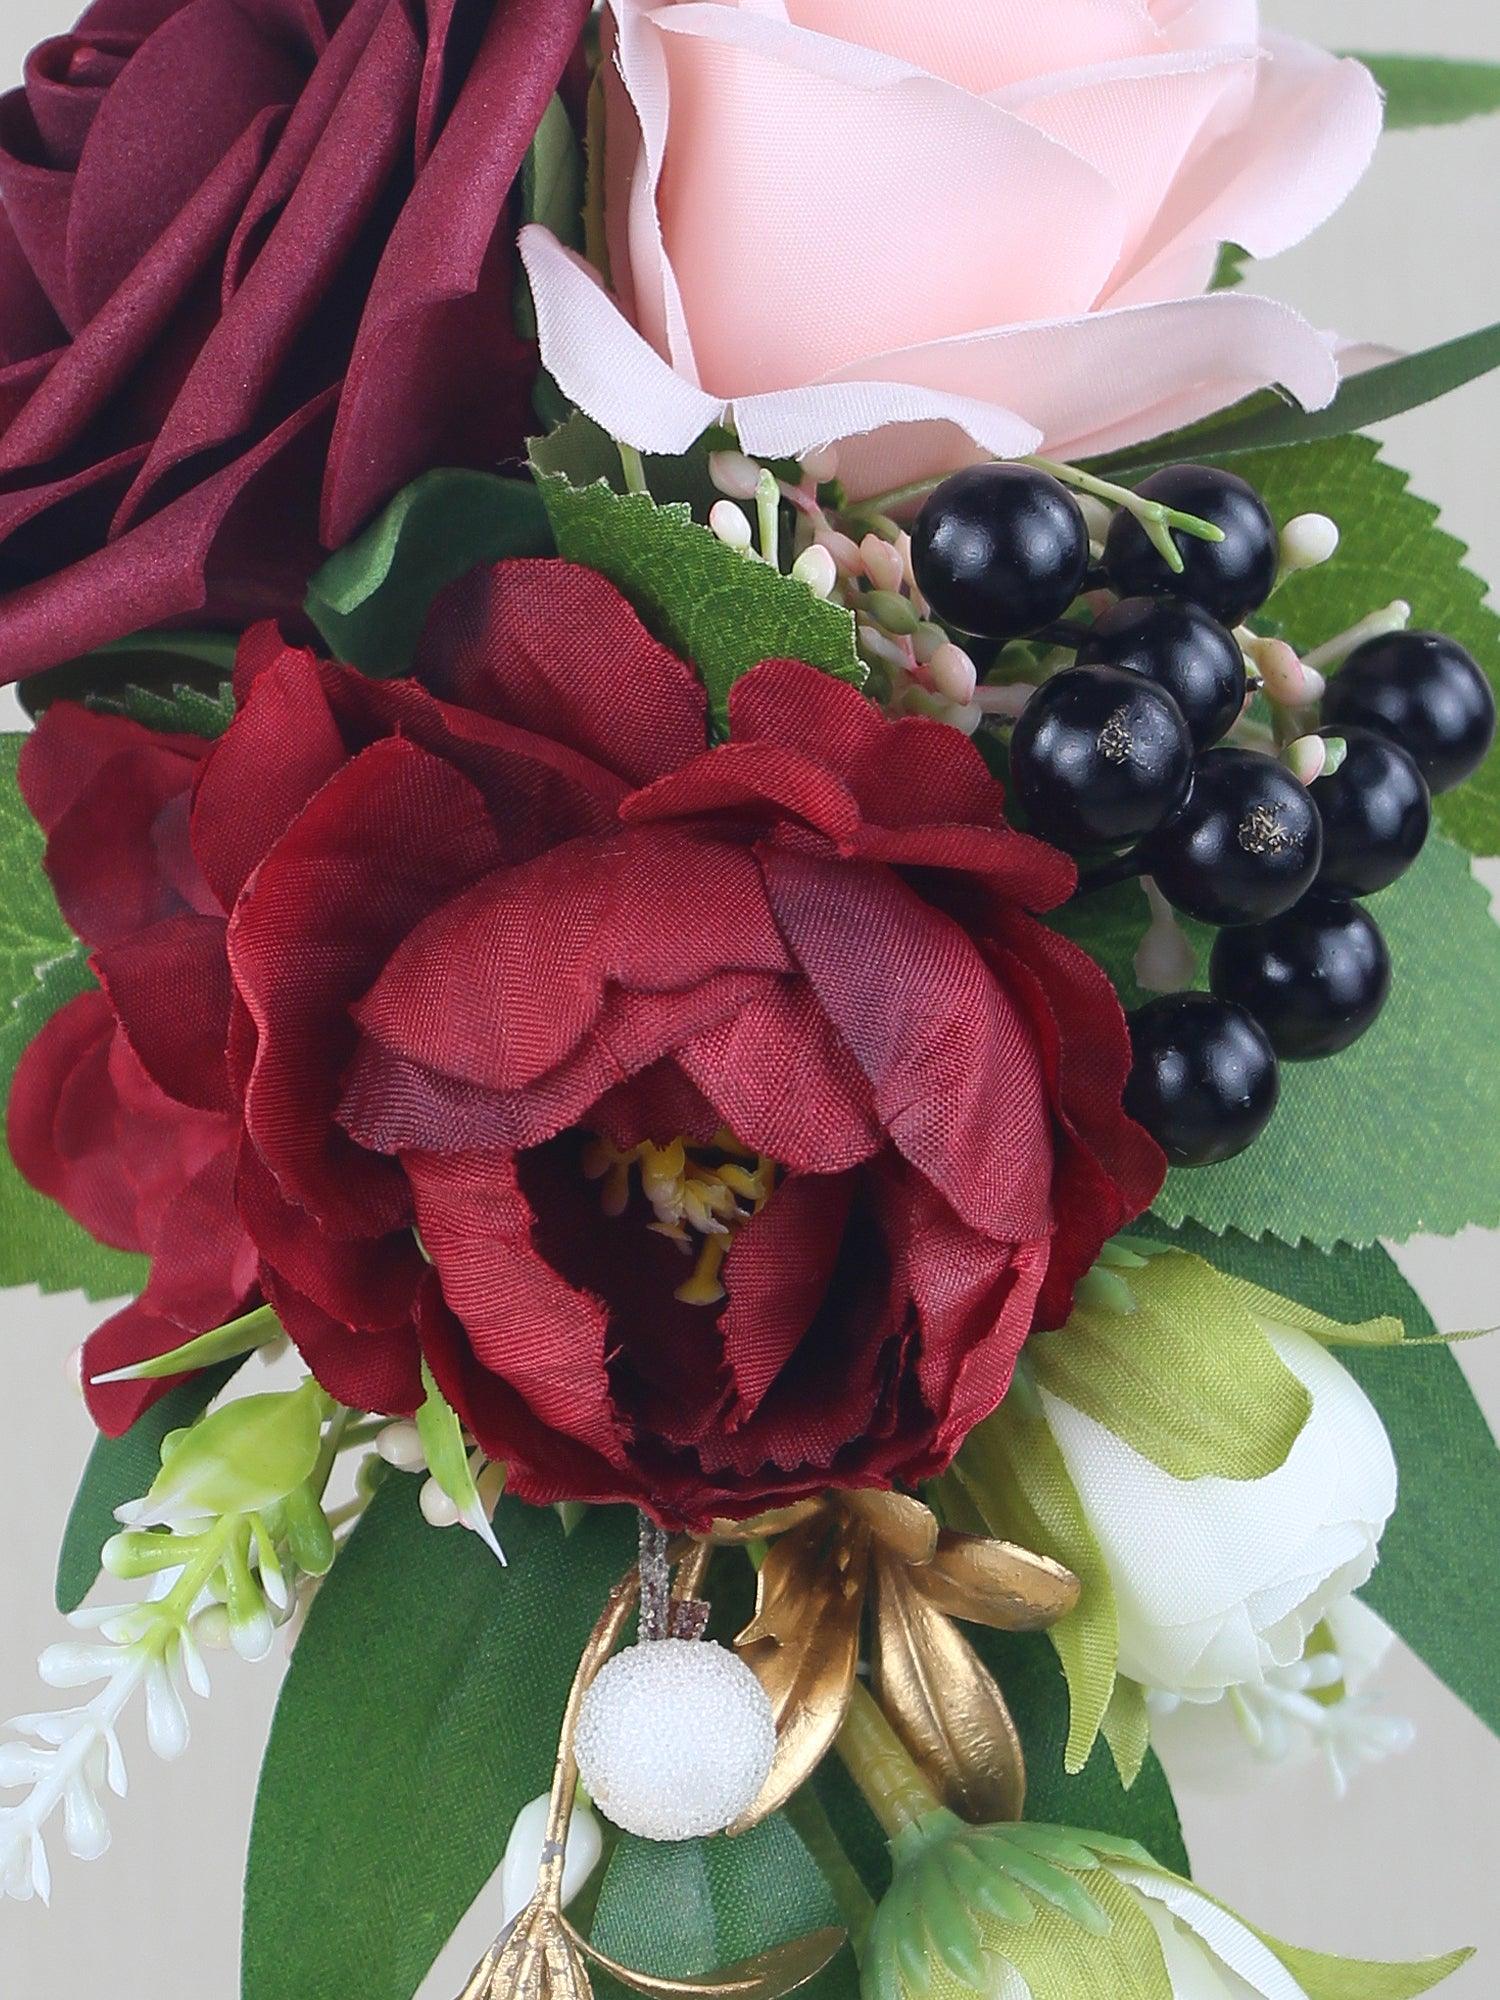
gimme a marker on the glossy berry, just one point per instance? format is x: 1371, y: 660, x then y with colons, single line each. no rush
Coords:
x: 1204, y: 1079
x: 1424, y: 692
x: 1315, y: 978
x: 1099, y: 757
x: 1183, y: 650
x: 1000, y: 550
x: 1375, y: 810
x: 1245, y: 846
x: 1231, y: 578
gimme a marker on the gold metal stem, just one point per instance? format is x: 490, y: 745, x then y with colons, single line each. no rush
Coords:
x: 602, y: 1642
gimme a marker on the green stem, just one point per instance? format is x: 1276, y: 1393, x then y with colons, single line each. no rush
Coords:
x: 896, y: 496
x: 1157, y: 520
x: 878, y: 1762
x: 818, y: 1835
x: 333, y: 1439
x: 634, y: 468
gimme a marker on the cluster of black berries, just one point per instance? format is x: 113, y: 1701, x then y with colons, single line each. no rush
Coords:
x: 1124, y: 753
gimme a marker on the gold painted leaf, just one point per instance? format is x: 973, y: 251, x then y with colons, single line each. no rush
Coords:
x: 996, y: 1583
x: 764, y: 1527
x: 943, y: 1702
x: 803, y: 1647
x: 898, y: 1522
x: 773, y: 1973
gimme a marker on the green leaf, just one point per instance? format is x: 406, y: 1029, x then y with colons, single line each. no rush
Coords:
x: 719, y: 610
x: 1433, y: 90
x: 1272, y: 421
x: 1395, y: 1137
x: 1016, y: 1480
x: 1029, y: 1675
x: 447, y: 1455
x: 1324, y: 1978
x: 1189, y: 1379
x: 680, y: 1908
x: 425, y: 1693
x: 234, y: 1340
x: 1127, y: 1729
x: 121, y: 1469
x: 371, y: 600
x: 1057, y: 1963
x: 178, y: 682
x: 1439, y: 1571
x: 41, y: 967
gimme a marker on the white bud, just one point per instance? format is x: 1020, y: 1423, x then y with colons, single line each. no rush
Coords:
x: 730, y: 525
x: 1306, y: 759
x: 953, y: 674
x: 1008, y: 701
x: 883, y: 564
x: 400, y: 1445
x: 523, y: 1855
x: 675, y: 1739
x: 252, y: 1634
x: 963, y: 716
x: 166, y: 1718
x: 73, y: 1368
x: 817, y: 569
x: 1285, y: 676
x: 843, y: 549
x: 1308, y: 542
x: 1395, y: 617
x: 734, y: 475
x: 1098, y: 517
x: 438, y: 1511
x: 820, y: 464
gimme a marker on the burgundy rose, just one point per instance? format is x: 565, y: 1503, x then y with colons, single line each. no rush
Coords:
x: 716, y: 1122
x: 254, y: 276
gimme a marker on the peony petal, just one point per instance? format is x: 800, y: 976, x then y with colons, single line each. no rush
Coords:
x: 501, y: 983
x: 555, y: 649
x: 953, y: 1063
x: 169, y: 986
x: 758, y: 777
x: 366, y: 1368
x: 393, y: 833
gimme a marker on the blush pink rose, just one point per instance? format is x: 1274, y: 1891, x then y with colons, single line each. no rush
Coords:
x: 945, y: 226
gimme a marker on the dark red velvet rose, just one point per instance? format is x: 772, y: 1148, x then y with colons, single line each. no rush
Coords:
x: 253, y: 253
x: 716, y: 1122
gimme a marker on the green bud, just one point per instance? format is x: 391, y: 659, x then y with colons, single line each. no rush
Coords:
x: 239, y: 1459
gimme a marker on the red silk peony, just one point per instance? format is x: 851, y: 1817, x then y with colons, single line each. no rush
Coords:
x: 250, y: 250
x: 716, y: 1122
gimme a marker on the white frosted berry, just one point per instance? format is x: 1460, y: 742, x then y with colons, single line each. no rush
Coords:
x: 675, y: 1739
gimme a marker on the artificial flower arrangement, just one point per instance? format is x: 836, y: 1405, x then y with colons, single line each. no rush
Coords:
x: 747, y: 798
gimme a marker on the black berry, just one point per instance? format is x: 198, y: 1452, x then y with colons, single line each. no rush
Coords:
x: 1177, y: 645
x: 1375, y: 810
x: 1245, y: 846
x: 1314, y: 978
x: 1000, y: 550
x: 1231, y: 578
x: 1204, y: 1080
x: 1424, y: 692
x: 1099, y: 757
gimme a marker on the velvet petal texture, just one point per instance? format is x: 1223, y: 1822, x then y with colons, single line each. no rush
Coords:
x: 256, y: 273
x: 450, y: 1008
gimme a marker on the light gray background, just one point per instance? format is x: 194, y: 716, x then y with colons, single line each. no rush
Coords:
x: 1407, y: 1865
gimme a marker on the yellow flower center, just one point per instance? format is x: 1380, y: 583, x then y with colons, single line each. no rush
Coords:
x: 701, y: 1197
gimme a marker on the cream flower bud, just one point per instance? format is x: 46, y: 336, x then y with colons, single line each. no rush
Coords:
x: 735, y: 475
x: 1308, y: 542
x: 730, y: 524
x: 817, y: 569
x: 1220, y: 1581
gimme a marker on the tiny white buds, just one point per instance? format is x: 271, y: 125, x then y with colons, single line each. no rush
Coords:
x: 1394, y: 618
x: 1308, y: 542
x: 730, y: 524
x: 1306, y: 759
x: 964, y: 717
x: 523, y: 1855
x: 734, y: 475
x: 820, y: 464
x: 844, y: 551
x: 1288, y: 680
x: 817, y: 568
x: 1164, y: 959
x: 881, y: 651
x: 438, y: 1511
x: 73, y: 1368
x: 953, y: 674
x: 1007, y: 701
x: 400, y: 1445
x: 883, y: 564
